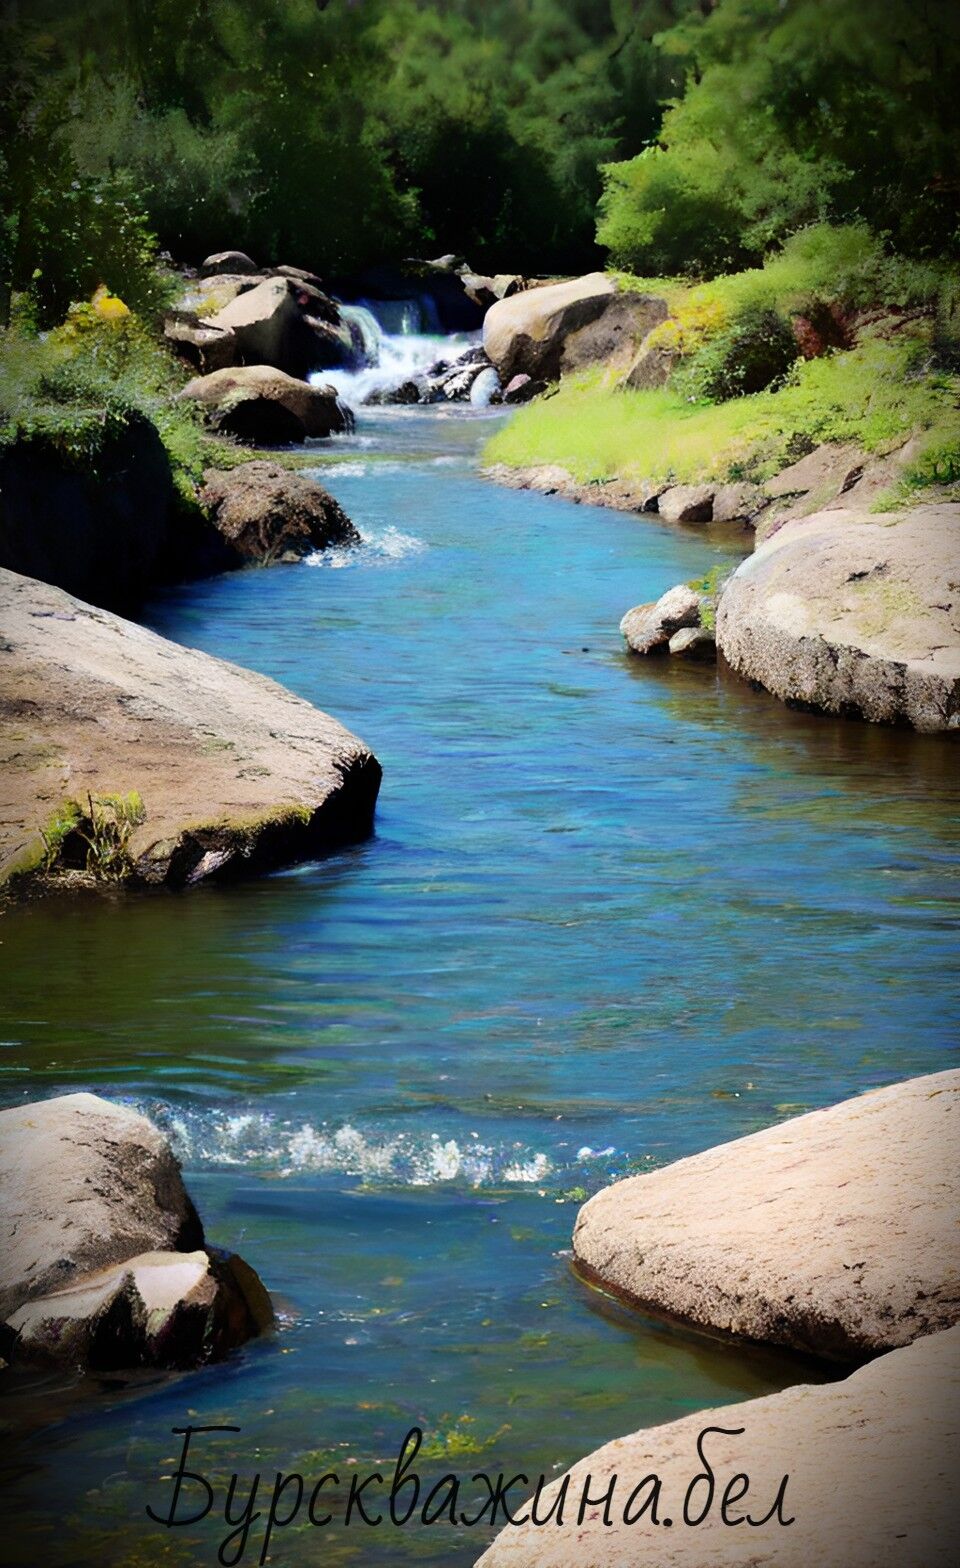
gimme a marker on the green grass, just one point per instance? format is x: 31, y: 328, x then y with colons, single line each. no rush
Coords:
x: 74, y: 385
x: 871, y: 395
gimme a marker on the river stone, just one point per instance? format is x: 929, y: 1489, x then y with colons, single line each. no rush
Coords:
x: 834, y: 1233
x: 124, y: 1187
x: 693, y: 642
x: 540, y: 332
x: 227, y: 261
x: 235, y: 772
x: 161, y: 1309
x: 871, y: 1462
x: 265, y: 513
x: 686, y: 503
x: 313, y: 411
x: 855, y: 613
x: 649, y: 627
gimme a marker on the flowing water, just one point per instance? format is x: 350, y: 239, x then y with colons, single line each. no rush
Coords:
x: 613, y: 912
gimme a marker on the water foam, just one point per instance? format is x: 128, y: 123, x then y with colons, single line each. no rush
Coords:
x: 287, y: 1147
x: 378, y: 545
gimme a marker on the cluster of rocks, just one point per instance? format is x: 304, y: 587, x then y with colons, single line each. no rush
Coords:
x: 833, y: 1234
x: 681, y: 622
x: 104, y: 1267
x: 235, y: 314
x: 470, y: 378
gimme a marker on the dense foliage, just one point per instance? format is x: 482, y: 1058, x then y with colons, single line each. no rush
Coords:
x: 337, y: 133
x: 796, y: 111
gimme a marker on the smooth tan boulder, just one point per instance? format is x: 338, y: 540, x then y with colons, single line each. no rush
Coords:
x: 235, y: 772
x: 855, y: 613
x: 543, y: 332
x: 871, y: 1464
x: 835, y: 1233
x: 85, y: 1184
x: 239, y: 401
x: 271, y: 327
x: 102, y: 1262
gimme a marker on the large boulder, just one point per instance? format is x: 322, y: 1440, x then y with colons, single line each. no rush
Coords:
x: 104, y: 1265
x: 265, y: 513
x: 870, y: 1461
x: 542, y: 332
x: 834, y: 1233
x: 853, y: 612
x: 108, y: 529
x: 263, y: 406
x: 272, y: 325
x: 235, y: 773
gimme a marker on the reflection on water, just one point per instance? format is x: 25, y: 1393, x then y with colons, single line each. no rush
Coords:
x: 613, y: 912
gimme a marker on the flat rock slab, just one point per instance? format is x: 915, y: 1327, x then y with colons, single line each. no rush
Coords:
x: 835, y: 1233
x: 871, y: 1463
x: 855, y: 613
x: 234, y: 771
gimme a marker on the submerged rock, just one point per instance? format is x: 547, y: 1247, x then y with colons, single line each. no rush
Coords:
x: 834, y: 1233
x: 259, y: 405
x: 541, y: 332
x: 235, y: 773
x: 870, y: 1463
x: 104, y: 1266
x: 265, y: 513
x: 855, y: 613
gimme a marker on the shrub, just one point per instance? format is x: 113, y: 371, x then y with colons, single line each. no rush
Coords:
x: 753, y: 352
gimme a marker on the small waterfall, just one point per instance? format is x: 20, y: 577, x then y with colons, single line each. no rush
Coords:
x: 365, y: 331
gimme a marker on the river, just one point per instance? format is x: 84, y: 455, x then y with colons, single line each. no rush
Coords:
x: 614, y: 911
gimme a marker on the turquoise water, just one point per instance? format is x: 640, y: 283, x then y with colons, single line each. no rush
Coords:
x: 614, y: 911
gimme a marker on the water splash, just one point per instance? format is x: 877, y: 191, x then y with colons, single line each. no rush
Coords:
x: 400, y: 357
x: 379, y: 546
x: 261, y: 1141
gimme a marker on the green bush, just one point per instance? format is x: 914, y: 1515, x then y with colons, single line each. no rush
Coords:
x: 753, y: 352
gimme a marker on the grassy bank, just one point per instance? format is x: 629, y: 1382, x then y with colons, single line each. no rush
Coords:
x: 898, y: 375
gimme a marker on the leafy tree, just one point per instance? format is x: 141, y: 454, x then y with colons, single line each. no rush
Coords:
x: 795, y: 112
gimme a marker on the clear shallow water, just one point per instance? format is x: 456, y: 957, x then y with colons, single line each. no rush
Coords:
x: 614, y: 911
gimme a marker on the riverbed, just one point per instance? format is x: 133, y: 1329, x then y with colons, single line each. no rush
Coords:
x: 614, y: 911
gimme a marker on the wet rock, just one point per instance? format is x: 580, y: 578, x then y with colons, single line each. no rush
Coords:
x: 265, y: 513
x: 855, y: 613
x: 227, y: 261
x: 541, y: 332
x: 236, y: 774
x: 833, y: 1233
x: 260, y: 405
x: 649, y: 627
x: 104, y: 1266
x: 485, y: 388
x: 686, y: 503
x: 693, y: 642
x: 521, y: 389
x: 870, y: 1462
